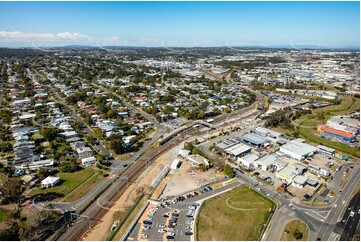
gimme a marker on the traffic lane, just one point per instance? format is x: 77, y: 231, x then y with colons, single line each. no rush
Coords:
x: 349, y: 223
x: 331, y: 221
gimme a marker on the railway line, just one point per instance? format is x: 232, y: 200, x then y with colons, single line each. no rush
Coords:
x: 98, y: 208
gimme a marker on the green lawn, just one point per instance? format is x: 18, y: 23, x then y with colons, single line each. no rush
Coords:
x: 240, y: 214
x: 3, y: 214
x: 291, y: 227
x: 308, y: 124
x: 83, y: 181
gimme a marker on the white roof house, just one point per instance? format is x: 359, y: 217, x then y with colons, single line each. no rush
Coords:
x: 50, y: 181
x: 175, y: 164
x: 298, y: 150
x: 88, y: 161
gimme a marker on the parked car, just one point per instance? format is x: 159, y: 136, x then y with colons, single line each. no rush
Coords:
x: 188, y: 233
x: 147, y: 222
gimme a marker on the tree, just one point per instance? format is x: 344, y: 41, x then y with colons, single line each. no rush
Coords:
x: 98, y: 133
x: 196, y: 151
x: 297, y: 234
x: 12, y: 190
x: 227, y: 169
x: 41, y: 173
x: 49, y: 133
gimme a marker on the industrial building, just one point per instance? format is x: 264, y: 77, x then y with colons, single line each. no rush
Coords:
x: 298, y: 150
x: 267, y: 132
x: 248, y: 160
x: 238, y: 150
x: 336, y: 134
x: 254, y: 139
x: 267, y: 162
x: 326, y: 150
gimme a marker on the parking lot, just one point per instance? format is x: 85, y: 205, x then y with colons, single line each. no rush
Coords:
x: 172, y: 219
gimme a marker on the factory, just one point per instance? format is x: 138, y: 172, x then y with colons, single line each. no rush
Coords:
x: 297, y: 150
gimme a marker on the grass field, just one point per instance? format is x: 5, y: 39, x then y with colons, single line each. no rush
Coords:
x: 321, y: 115
x: 307, y: 124
x: 240, y: 214
x: 291, y: 227
x: 73, y: 185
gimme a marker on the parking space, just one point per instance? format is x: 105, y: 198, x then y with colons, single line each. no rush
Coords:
x: 172, y: 219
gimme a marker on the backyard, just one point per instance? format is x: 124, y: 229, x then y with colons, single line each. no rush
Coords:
x: 240, y: 214
x: 72, y: 185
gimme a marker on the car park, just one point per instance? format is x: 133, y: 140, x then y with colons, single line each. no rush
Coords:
x: 145, y: 227
x: 147, y: 222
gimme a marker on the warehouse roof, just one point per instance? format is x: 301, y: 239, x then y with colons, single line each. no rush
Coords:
x: 254, y: 139
x: 327, y: 129
x: 268, y: 160
x: 238, y: 149
x: 298, y: 147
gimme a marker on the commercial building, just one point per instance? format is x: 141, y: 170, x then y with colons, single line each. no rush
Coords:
x: 267, y: 132
x: 336, y: 134
x: 238, y: 150
x: 298, y: 150
x: 248, y: 160
x: 254, y: 139
x: 326, y: 150
x: 266, y: 162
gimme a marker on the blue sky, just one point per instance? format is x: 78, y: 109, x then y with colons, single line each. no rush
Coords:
x: 327, y: 24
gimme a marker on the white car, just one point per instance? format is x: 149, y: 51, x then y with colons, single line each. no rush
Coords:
x: 149, y: 218
x: 170, y: 234
x: 144, y: 236
x: 161, y: 231
x: 171, y: 229
x: 162, y: 226
x: 343, y: 202
x: 189, y: 222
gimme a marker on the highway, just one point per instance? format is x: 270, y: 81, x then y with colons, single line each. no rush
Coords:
x: 329, y: 224
x: 350, y: 222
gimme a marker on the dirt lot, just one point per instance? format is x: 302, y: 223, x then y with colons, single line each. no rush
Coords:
x: 187, y: 178
x: 101, y: 230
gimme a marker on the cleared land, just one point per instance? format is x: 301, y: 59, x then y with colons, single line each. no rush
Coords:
x: 292, y: 227
x: 80, y: 182
x: 308, y: 124
x: 240, y: 214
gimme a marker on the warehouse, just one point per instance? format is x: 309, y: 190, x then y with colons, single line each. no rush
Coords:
x: 239, y: 150
x: 248, y: 160
x: 336, y: 134
x: 297, y: 150
x: 254, y: 139
x: 326, y: 150
x: 226, y: 144
x: 267, y: 132
x: 267, y: 162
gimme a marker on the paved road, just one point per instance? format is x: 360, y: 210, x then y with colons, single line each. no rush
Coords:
x: 327, y: 228
x: 349, y: 223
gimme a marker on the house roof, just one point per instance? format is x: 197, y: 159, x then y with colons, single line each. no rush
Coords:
x: 50, y: 180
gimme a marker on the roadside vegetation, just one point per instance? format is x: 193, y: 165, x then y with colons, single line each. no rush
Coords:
x: 295, y: 230
x: 241, y: 214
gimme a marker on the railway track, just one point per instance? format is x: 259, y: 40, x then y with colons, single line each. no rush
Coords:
x: 97, y: 209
